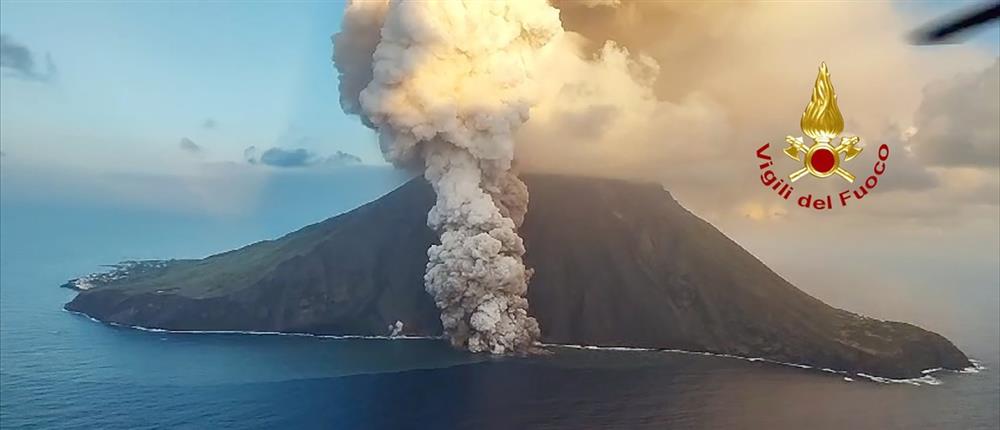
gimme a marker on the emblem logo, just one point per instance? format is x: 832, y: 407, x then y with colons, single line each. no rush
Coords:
x: 822, y: 122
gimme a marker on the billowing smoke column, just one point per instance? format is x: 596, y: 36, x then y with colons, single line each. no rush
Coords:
x: 446, y: 84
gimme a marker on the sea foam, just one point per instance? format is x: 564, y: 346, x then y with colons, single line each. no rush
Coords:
x: 927, y: 379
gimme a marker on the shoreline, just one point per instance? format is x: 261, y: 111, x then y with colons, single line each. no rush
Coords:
x: 927, y: 379
x: 254, y: 333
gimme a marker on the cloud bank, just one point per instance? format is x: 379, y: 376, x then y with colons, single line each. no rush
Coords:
x: 188, y: 145
x: 682, y: 94
x: 298, y: 157
x: 958, y: 122
x: 17, y: 61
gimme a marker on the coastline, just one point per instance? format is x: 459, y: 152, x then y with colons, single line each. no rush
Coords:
x: 927, y: 379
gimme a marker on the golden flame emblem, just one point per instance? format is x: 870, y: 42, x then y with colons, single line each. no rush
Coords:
x: 822, y: 121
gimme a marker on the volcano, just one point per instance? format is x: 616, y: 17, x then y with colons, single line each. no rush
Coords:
x: 616, y: 264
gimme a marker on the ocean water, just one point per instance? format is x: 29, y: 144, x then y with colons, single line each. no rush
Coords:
x: 60, y: 370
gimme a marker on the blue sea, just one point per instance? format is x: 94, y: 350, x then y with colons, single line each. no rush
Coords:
x: 59, y: 370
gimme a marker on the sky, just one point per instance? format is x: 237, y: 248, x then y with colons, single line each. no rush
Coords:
x: 195, y: 107
x: 134, y: 80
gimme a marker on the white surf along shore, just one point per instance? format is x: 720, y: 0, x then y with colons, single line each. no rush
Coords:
x: 927, y: 379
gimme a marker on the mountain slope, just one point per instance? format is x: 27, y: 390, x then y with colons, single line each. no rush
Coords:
x: 616, y: 263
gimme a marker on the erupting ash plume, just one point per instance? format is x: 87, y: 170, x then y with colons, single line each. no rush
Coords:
x: 446, y: 85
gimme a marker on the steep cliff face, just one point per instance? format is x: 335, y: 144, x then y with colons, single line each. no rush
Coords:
x: 616, y: 263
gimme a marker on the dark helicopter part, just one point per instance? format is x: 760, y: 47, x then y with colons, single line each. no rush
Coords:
x: 948, y: 29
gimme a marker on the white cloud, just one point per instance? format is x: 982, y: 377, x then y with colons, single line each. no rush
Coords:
x: 958, y: 122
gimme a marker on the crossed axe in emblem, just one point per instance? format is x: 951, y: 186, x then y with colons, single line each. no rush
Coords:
x: 796, y: 148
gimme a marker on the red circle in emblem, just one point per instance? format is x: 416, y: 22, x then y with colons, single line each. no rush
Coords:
x: 822, y: 160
